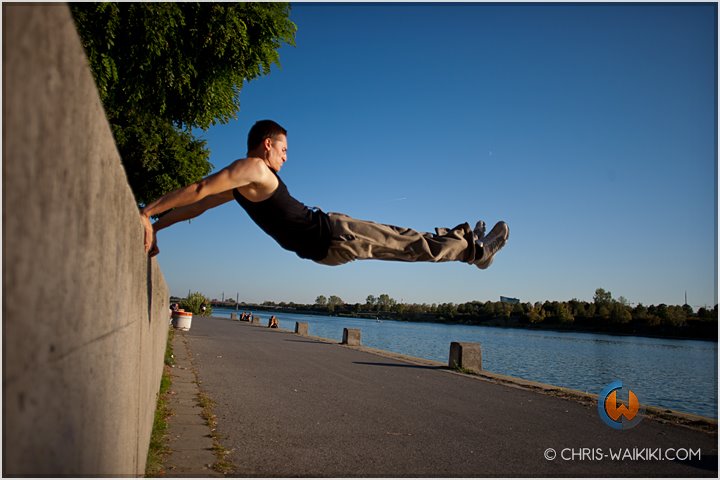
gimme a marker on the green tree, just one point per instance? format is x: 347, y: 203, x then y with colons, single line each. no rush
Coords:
x: 321, y: 300
x: 674, y: 316
x: 661, y: 311
x: 488, y: 310
x: 449, y: 309
x: 564, y: 315
x: 400, y: 308
x: 706, y: 314
x: 620, y: 313
x: 385, y: 302
x: 641, y: 315
x: 536, y: 313
x: 162, y: 69
x: 602, y: 297
x: 577, y: 309
x: 518, y: 310
x: 333, y: 302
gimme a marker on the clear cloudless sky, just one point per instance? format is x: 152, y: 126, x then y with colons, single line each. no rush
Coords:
x: 589, y: 128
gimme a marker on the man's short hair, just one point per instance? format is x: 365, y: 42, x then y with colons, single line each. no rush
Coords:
x: 261, y: 130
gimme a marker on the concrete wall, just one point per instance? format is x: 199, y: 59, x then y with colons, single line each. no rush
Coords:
x: 85, y: 312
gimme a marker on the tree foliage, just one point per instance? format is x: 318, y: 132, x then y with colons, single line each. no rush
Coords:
x: 602, y: 298
x: 334, y: 302
x: 162, y: 69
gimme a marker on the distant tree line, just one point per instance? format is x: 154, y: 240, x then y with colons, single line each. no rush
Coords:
x: 603, y: 314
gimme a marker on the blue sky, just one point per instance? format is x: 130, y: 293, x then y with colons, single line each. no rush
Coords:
x: 590, y: 129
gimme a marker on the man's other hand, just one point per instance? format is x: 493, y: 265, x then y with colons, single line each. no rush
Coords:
x: 151, y: 247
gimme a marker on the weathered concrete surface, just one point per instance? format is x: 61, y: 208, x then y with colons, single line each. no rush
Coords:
x: 351, y: 337
x: 85, y: 313
x: 292, y: 406
x: 301, y: 328
x: 465, y: 355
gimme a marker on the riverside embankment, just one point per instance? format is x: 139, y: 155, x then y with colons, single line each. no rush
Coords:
x: 290, y: 406
x: 668, y: 373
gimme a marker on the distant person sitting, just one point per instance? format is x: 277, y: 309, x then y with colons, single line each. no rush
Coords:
x: 273, y: 323
x: 326, y: 238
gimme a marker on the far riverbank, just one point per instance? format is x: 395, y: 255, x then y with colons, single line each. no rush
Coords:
x: 692, y: 329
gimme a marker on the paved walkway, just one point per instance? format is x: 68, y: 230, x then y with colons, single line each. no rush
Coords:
x: 189, y: 437
x: 290, y: 406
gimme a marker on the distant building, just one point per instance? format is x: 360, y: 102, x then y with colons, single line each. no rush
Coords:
x: 512, y: 301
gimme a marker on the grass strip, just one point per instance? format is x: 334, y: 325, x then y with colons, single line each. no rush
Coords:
x: 222, y: 465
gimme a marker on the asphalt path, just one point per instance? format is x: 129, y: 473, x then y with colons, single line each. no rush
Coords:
x: 292, y: 406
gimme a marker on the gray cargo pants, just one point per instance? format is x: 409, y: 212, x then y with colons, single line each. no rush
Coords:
x: 354, y: 239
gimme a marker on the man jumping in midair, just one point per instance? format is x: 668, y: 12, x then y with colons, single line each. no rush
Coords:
x: 326, y: 238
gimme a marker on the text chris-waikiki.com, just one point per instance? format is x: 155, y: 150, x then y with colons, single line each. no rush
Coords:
x: 635, y: 454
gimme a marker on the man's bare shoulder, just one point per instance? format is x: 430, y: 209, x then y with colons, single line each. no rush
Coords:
x: 247, y: 162
x: 252, y: 172
x: 250, y: 168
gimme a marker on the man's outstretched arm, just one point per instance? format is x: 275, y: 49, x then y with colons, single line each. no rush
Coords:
x: 180, y: 214
x: 216, y: 188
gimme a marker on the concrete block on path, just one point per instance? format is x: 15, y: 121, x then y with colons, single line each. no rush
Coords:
x: 351, y: 336
x: 465, y: 355
x: 301, y: 328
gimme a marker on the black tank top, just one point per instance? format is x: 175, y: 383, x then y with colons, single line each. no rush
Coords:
x: 294, y: 226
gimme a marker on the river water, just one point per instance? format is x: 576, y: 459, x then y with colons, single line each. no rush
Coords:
x: 677, y: 374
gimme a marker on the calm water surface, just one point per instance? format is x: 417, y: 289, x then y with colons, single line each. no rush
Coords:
x: 677, y: 374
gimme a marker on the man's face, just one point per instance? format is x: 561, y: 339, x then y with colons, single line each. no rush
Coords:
x: 277, y: 155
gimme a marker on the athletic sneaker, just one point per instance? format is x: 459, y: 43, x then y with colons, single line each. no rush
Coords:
x: 492, y: 244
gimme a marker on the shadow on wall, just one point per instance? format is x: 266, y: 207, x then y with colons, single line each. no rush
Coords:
x: 85, y: 312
